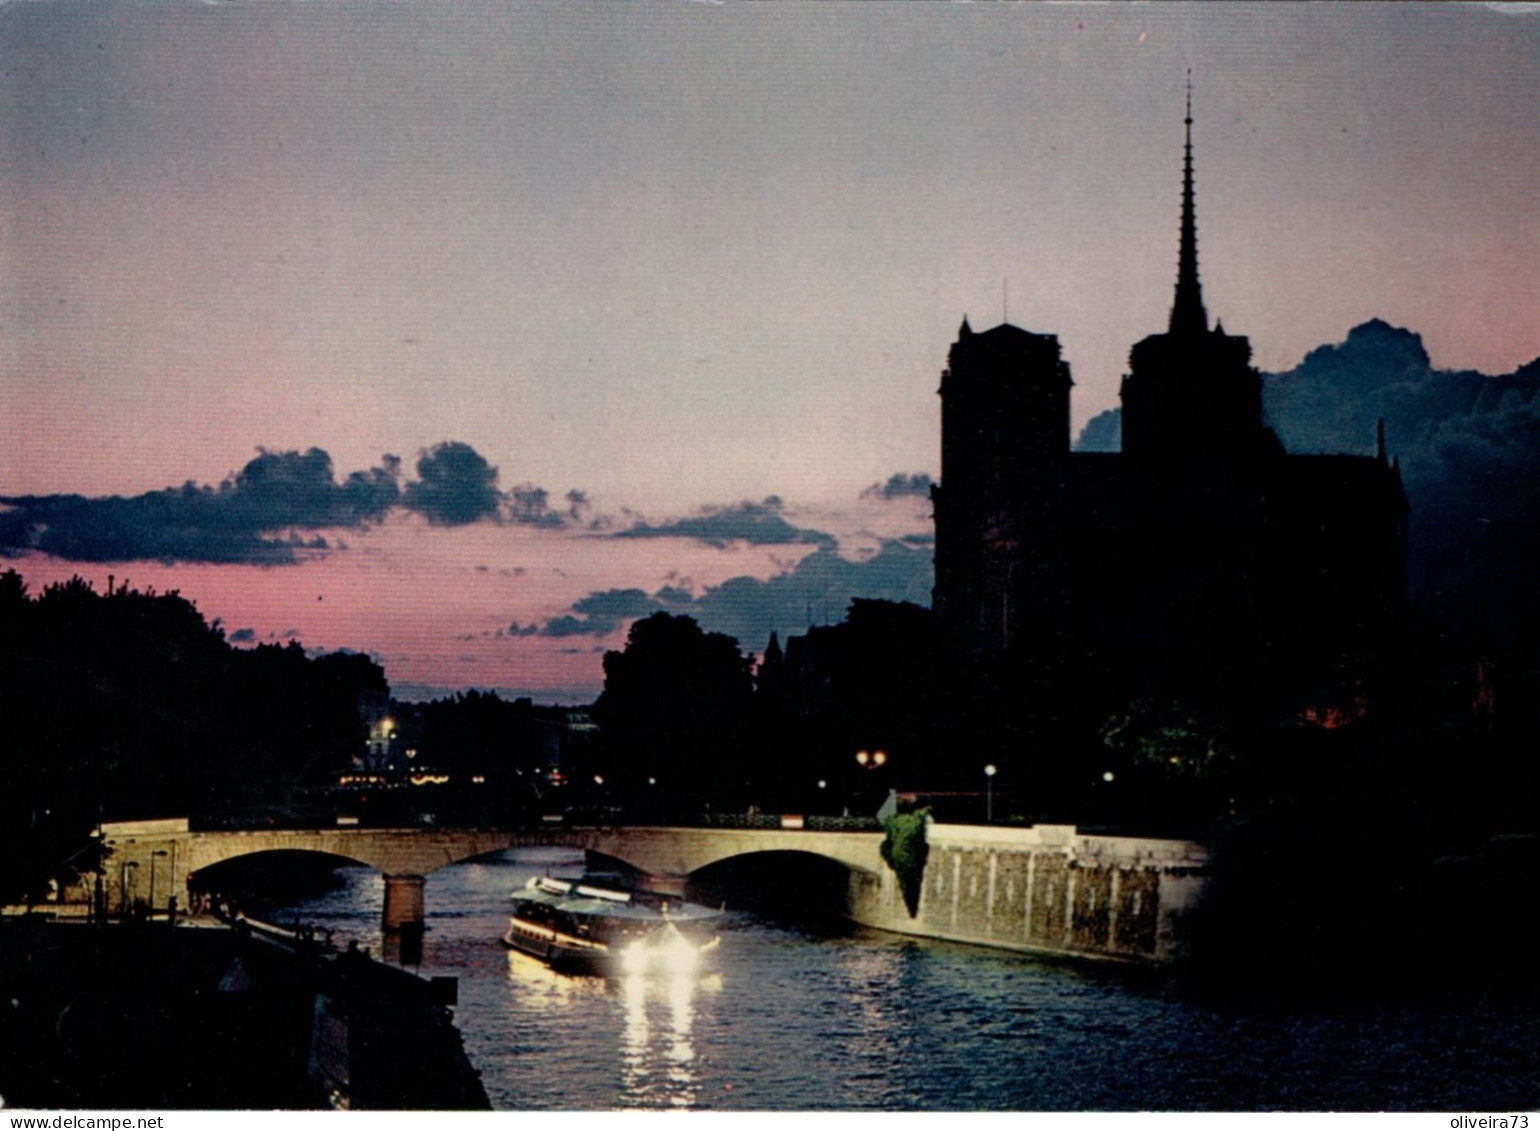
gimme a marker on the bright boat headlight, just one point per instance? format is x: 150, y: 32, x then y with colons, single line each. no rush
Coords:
x: 678, y: 956
x: 633, y: 959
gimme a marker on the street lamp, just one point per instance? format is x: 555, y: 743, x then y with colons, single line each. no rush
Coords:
x: 872, y: 760
x: 989, y: 793
x: 123, y: 884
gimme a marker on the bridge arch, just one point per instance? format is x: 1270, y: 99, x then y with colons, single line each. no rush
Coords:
x: 666, y: 858
x: 236, y: 854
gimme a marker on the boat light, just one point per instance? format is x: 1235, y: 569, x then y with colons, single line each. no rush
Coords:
x: 678, y: 956
x: 633, y: 959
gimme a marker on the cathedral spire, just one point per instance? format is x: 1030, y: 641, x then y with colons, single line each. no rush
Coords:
x: 1187, y: 313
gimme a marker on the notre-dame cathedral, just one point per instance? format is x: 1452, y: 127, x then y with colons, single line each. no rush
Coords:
x: 1200, y: 554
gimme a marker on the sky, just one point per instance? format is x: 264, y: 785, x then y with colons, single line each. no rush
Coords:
x: 463, y: 334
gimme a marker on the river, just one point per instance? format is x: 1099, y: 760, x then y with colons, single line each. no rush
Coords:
x: 803, y: 1018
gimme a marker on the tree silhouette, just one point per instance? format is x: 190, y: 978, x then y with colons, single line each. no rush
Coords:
x: 129, y: 704
x: 675, y: 706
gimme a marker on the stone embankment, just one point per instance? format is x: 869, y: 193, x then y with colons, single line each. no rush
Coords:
x: 142, y: 1016
x: 1046, y: 889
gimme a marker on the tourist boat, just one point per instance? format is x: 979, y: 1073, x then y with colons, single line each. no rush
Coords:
x: 599, y: 925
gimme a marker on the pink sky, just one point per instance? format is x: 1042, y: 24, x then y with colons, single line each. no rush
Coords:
x: 681, y: 256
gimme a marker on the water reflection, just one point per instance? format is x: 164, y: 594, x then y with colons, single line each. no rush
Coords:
x: 536, y: 984
x: 655, y: 1054
x: 869, y: 1022
x: 633, y: 1047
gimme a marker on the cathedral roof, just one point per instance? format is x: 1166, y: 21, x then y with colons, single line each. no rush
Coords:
x: 1006, y: 332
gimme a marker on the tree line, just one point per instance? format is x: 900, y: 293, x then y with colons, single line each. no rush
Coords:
x: 129, y: 704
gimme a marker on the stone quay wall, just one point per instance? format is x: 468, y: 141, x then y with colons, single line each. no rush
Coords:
x: 1045, y: 889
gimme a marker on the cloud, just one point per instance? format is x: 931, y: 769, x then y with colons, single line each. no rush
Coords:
x: 254, y: 516
x: 244, y: 636
x: 900, y: 485
x: 1102, y: 433
x: 455, y: 486
x: 531, y: 506
x: 579, y: 510
x: 600, y: 614
x: 758, y: 524
x: 818, y: 589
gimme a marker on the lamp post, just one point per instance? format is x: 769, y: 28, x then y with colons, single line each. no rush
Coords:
x: 123, y: 885
x: 989, y: 793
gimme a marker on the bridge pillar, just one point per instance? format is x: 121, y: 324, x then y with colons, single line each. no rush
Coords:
x: 403, y: 902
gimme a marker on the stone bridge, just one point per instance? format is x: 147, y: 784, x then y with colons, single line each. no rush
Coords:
x: 152, y: 861
x: 1045, y: 888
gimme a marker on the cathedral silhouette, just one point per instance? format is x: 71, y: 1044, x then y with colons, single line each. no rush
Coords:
x: 1200, y: 559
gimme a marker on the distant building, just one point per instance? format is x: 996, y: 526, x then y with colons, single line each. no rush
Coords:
x: 1199, y: 554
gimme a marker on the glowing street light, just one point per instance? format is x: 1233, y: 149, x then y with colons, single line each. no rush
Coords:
x: 989, y: 793
x: 870, y: 761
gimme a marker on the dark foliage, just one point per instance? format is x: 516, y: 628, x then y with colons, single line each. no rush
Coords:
x: 675, y: 709
x: 129, y: 704
x: 870, y: 683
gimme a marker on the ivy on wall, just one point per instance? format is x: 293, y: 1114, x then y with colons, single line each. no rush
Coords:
x: 905, y: 850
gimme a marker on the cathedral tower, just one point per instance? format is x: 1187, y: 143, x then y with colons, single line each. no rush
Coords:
x: 1004, y: 438
x: 1191, y: 393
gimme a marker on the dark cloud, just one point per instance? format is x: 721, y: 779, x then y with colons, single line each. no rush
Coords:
x: 816, y: 590
x: 256, y: 515
x: 571, y: 626
x: 758, y: 524
x: 580, y: 510
x: 531, y: 506
x: 1102, y: 433
x: 455, y: 486
x: 252, y: 517
x: 1468, y: 445
x: 900, y: 486
x: 244, y: 636
x: 600, y: 614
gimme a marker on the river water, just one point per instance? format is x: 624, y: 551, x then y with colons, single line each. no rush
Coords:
x: 800, y: 1018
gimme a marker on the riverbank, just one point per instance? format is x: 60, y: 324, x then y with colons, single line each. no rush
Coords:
x: 205, y: 1016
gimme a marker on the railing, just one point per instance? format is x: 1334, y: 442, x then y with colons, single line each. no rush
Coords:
x: 555, y: 824
x: 813, y: 823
